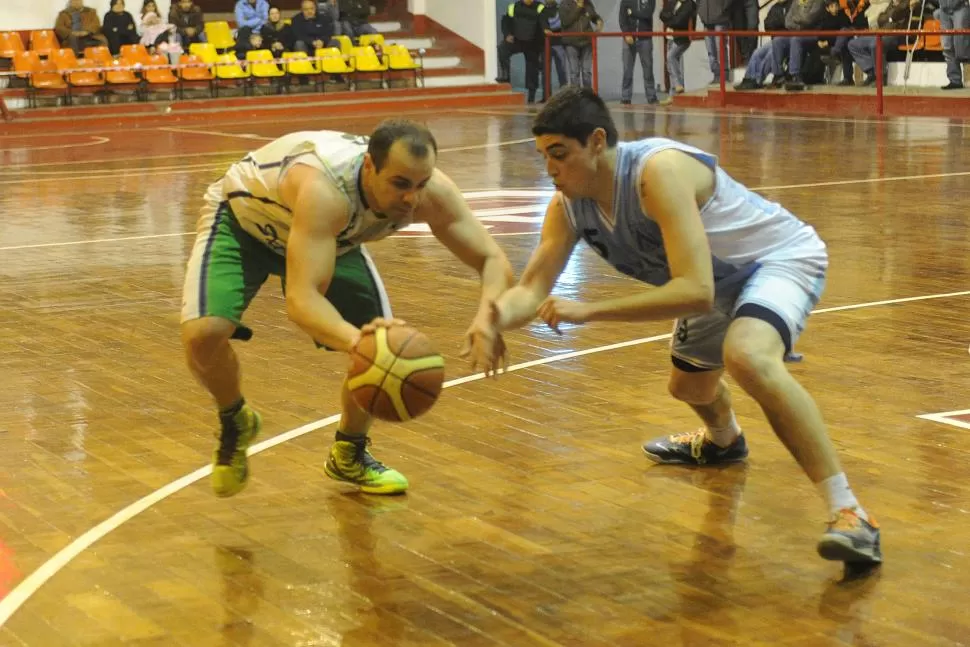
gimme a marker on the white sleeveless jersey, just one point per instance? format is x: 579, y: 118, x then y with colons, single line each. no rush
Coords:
x: 251, y: 187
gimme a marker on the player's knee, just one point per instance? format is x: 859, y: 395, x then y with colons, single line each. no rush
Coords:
x: 693, y: 388
x: 203, y: 337
x: 751, y: 365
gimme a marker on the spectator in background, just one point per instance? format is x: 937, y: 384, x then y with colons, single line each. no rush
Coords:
x: 802, y: 15
x: 716, y: 16
x: 251, y: 15
x: 156, y: 34
x: 277, y: 35
x: 353, y: 18
x: 762, y: 62
x: 580, y: 16
x: 678, y: 16
x: 954, y: 14
x: 78, y: 27
x: 188, y: 20
x: 522, y: 34
x: 637, y: 16
x: 119, y: 27
x: 310, y: 30
x: 863, y: 48
x: 551, y: 24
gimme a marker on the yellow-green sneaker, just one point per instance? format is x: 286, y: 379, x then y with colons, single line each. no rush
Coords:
x: 230, y: 467
x: 350, y: 461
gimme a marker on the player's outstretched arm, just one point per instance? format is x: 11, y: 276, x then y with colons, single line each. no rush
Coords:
x: 453, y: 223
x: 670, y: 183
x: 518, y: 306
x: 319, y: 214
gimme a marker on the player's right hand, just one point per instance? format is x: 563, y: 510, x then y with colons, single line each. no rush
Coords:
x: 380, y: 322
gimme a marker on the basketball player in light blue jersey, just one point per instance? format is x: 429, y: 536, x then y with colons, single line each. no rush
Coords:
x: 738, y: 272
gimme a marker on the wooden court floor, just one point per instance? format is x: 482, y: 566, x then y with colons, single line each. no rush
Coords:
x: 533, y: 517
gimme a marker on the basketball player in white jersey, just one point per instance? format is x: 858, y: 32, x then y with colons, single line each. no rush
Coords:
x: 301, y: 207
x: 741, y: 275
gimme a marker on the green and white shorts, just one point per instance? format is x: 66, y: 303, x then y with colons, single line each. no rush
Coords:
x: 228, y: 266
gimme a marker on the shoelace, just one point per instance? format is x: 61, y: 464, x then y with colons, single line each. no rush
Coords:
x: 227, y: 444
x: 364, y: 457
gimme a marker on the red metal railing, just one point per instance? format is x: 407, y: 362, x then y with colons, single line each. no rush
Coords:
x: 723, y: 36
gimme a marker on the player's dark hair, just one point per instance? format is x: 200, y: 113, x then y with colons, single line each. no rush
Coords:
x: 575, y: 113
x: 418, y: 138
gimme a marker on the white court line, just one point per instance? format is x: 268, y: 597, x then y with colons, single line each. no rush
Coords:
x: 29, y: 585
x: 944, y: 419
x: 96, y: 142
x: 214, y: 133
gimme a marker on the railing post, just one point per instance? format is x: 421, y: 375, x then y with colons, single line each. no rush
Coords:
x: 596, y: 85
x: 546, y: 69
x: 722, y: 58
x: 879, y: 77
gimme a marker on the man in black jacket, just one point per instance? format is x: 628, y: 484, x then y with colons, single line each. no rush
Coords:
x: 637, y: 16
x: 522, y: 34
x: 311, y: 31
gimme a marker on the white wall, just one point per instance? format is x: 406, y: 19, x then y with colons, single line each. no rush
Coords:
x: 473, y: 20
x: 40, y: 14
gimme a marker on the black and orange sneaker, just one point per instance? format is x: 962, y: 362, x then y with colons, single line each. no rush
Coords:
x: 850, y: 538
x: 694, y: 448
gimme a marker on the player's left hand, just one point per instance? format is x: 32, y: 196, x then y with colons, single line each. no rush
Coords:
x: 555, y: 311
x: 484, y: 346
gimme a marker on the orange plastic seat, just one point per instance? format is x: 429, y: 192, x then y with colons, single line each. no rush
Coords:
x: 10, y: 44
x: 44, y: 41
x: 160, y: 75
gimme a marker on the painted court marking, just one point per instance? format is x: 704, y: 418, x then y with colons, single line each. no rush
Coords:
x: 28, y: 586
x: 949, y: 418
x: 95, y: 141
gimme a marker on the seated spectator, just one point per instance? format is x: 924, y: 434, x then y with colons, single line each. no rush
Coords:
x: 78, y: 27
x: 353, y: 18
x: 803, y: 15
x: 251, y: 15
x: 119, y: 27
x: 154, y: 31
x: 762, y: 61
x: 863, y: 48
x: 277, y: 35
x: 310, y: 30
x: 189, y: 21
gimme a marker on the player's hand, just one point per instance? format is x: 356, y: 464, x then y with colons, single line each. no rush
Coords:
x: 484, y: 346
x: 380, y: 322
x: 555, y: 311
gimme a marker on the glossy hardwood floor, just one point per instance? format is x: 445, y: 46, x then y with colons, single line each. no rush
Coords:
x: 533, y: 517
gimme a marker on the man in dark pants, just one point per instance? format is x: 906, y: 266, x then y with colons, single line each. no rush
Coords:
x: 637, y: 16
x: 522, y: 32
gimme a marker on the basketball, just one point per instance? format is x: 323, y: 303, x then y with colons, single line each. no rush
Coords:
x: 395, y: 373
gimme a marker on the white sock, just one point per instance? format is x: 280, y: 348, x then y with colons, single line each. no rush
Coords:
x: 837, y: 493
x: 724, y: 436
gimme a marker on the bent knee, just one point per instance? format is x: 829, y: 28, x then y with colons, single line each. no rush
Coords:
x: 201, y: 336
x: 694, y: 388
x: 748, y: 365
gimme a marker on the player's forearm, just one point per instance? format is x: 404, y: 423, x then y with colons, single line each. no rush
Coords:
x: 517, y: 307
x: 677, y: 298
x: 317, y: 317
x: 496, y: 278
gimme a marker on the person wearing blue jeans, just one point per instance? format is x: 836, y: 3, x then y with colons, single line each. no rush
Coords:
x: 954, y: 14
x: 760, y: 65
x: 677, y: 15
x: 637, y: 16
x: 863, y: 48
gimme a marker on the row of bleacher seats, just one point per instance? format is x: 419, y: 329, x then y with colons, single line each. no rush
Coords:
x: 47, y: 68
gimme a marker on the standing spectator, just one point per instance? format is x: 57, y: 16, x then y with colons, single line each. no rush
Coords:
x: 310, y: 30
x: 353, y: 18
x: 637, y: 16
x: 954, y: 14
x: 716, y: 16
x: 251, y: 15
x: 522, y: 32
x: 580, y: 16
x: 678, y: 16
x: 188, y: 20
x: 79, y: 27
x: 551, y: 24
x: 277, y: 35
x: 119, y: 27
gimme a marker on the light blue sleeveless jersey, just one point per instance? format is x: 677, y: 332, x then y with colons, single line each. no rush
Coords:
x: 744, y: 230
